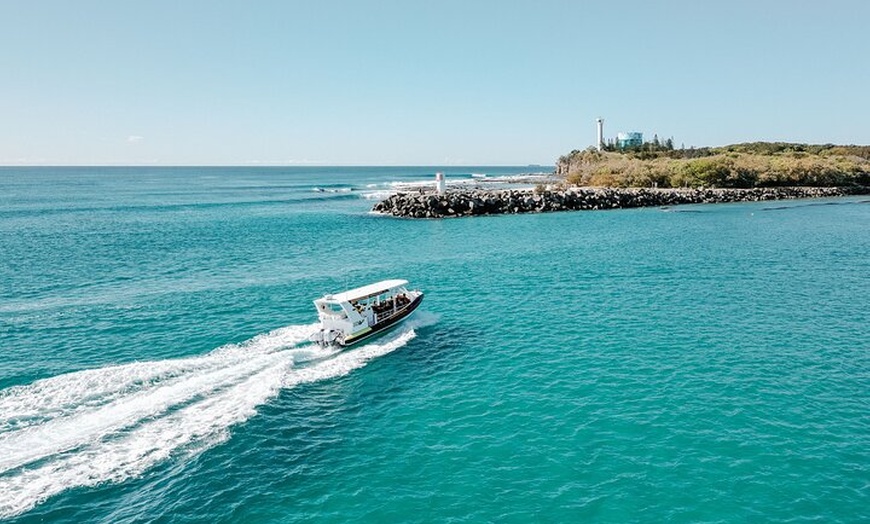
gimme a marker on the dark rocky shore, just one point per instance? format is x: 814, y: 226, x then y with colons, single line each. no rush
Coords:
x: 457, y: 203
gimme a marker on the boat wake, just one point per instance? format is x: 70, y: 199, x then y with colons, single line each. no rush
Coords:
x: 111, y: 424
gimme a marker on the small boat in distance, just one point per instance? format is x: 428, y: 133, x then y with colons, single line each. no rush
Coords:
x: 349, y: 317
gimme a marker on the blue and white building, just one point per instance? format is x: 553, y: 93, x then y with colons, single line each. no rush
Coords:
x: 630, y: 139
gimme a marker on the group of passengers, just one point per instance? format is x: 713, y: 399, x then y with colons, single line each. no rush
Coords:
x: 400, y: 301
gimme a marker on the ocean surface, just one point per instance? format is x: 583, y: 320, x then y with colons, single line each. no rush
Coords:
x: 691, y: 364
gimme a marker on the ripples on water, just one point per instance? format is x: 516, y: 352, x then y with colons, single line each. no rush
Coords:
x: 632, y: 365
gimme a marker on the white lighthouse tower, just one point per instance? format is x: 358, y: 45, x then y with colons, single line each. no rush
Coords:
x: 600, y: 133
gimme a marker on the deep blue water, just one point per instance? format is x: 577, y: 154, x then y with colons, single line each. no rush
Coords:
x: 696, y: 364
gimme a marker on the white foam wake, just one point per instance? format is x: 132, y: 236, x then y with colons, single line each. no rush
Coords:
x: 114, y: 423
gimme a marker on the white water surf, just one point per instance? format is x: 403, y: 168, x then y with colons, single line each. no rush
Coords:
x: 114, y: 423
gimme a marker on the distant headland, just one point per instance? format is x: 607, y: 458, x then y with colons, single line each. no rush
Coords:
x: 633, y: 173
x: 748, y: 165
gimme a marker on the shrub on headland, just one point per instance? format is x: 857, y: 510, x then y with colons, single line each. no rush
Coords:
x: 738, y: 166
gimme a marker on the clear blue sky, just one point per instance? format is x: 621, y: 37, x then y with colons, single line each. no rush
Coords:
x: 422, y: 83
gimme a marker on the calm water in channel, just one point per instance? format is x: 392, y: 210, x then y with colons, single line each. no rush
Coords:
x: 692, y: 364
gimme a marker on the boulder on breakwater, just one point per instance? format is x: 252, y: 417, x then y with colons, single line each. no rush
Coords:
x: 472, y: 202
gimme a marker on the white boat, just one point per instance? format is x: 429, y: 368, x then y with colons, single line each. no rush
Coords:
x: 349, y: 317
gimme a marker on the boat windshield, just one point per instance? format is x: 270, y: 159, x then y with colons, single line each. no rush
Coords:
x: 332, y: 308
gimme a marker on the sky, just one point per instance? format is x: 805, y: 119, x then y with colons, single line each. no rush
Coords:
x: 467, y: 82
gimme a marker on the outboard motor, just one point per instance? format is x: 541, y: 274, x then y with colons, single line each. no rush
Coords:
x: 326, y: 338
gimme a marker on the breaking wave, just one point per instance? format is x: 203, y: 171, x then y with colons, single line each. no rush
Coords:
x: 470, y: 181
x: 114, y: 423
x: 341, y: 189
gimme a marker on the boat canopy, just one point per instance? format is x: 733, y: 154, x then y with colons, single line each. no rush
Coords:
x: 367, y: 291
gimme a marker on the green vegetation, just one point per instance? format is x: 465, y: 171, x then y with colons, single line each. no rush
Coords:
x: 757, y: 164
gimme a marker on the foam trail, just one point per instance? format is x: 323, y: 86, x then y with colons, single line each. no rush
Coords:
x: 114, y: 423
x: 65, y: 433
x: 202, y: 424
x: 347, y: 361
x: 22, y: 406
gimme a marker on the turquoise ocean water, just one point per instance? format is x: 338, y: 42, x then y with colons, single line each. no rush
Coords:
x: 692, y: 364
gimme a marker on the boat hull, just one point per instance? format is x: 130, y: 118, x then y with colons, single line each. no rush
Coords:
x: 384, y: 326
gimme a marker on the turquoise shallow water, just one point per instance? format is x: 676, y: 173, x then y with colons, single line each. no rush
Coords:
x: 696, y: 364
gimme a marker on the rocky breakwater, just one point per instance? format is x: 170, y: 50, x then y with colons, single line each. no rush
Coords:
x: 493, y: 202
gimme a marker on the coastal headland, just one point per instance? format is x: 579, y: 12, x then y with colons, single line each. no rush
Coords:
x: 656, y: 174
x: 460, y: 203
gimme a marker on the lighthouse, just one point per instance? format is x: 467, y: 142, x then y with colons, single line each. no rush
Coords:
x: 600, y: 133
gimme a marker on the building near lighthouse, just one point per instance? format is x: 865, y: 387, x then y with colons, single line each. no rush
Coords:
x: 630, y: 139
